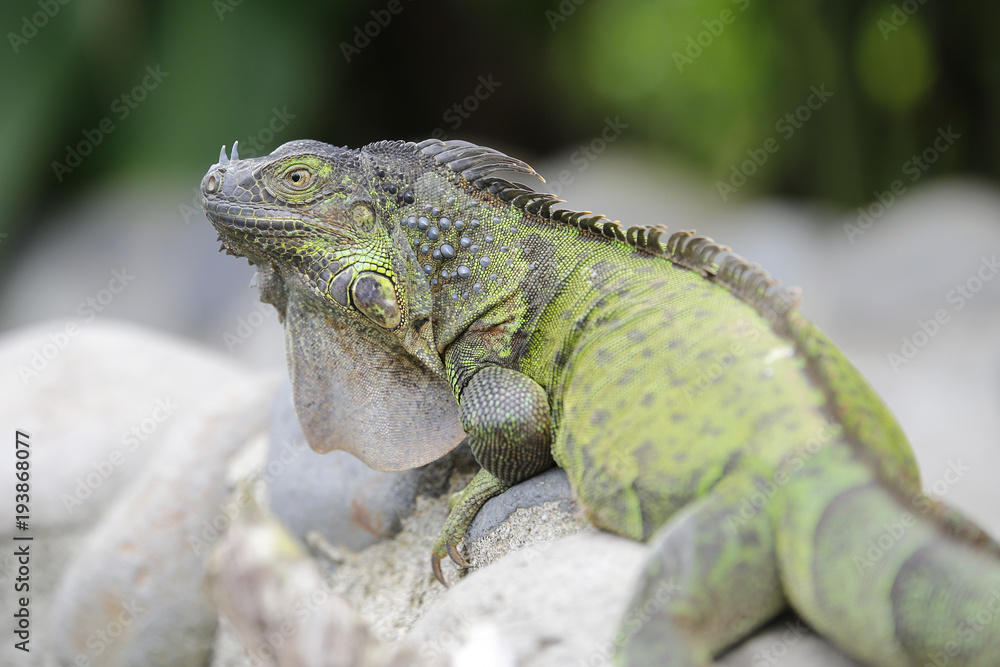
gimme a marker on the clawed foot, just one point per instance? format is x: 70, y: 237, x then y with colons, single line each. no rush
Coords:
x: 452, y: 551
x: 464, y: 506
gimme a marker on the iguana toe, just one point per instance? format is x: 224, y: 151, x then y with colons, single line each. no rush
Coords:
x: 464, y: 506
x: 441, y: 547
x: 456, y: 557
x: 436, y: 566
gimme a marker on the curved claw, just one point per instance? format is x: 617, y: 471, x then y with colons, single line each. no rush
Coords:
x: 456, y: 557
x: 436, y: 566
x: 464, y: 506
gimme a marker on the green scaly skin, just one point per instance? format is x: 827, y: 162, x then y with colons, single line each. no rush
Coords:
x: 687, y: 400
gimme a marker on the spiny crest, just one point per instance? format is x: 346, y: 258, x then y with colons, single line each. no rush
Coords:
x: 749, y: 282
x: 473, y: 161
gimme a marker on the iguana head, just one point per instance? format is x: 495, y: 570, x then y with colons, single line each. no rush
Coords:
x: 308, y: 211
x: 335, y: 235
x: 335, y: 219
x: 318, y: 222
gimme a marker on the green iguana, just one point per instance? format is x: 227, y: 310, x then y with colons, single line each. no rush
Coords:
x: 426, y: 299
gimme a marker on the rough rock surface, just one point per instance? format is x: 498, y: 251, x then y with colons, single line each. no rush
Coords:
x: 98, y: 404
x: 98, y: 387
x: 554, y: 603
x: 552, y: 486
x: 139, y: 579
x: 129, y: 428
x: 276, y: 602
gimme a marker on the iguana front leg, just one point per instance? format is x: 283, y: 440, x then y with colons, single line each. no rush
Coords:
x: 506, y: 417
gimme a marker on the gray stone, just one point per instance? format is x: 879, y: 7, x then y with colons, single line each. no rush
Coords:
x: 553, y: 603
x: 552, y: 486
x: 336, y: 494
x: 785, y: 641
x: 562, y: 601
x: 135, y: 593
x: 532, y: 598
x: 99, y: 400
x: 98, y: 386
x: 50, y: 553
x: 275, y: 600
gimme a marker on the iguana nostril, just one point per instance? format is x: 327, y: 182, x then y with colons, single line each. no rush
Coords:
x: 212, y: 184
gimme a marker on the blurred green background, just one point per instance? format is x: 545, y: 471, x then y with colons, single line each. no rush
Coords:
x: 152, y: 89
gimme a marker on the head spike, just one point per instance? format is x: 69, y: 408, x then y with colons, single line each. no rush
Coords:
x: 236, y: 155
x: 222, y: 155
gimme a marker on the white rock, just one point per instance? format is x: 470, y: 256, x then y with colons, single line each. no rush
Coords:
x: 135, y: 593
x: 553, y: 603
x: 97, y: 410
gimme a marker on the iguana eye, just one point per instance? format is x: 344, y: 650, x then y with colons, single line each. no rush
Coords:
x: 298, y: 178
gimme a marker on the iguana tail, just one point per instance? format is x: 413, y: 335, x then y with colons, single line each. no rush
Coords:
x: 892, y: 580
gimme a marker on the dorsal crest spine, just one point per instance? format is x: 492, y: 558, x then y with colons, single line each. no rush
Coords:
x: 479, y: 166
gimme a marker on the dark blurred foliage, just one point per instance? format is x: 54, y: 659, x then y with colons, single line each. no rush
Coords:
x: 268, y: 72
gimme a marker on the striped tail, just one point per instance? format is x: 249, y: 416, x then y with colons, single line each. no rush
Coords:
x: 892, y: 580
